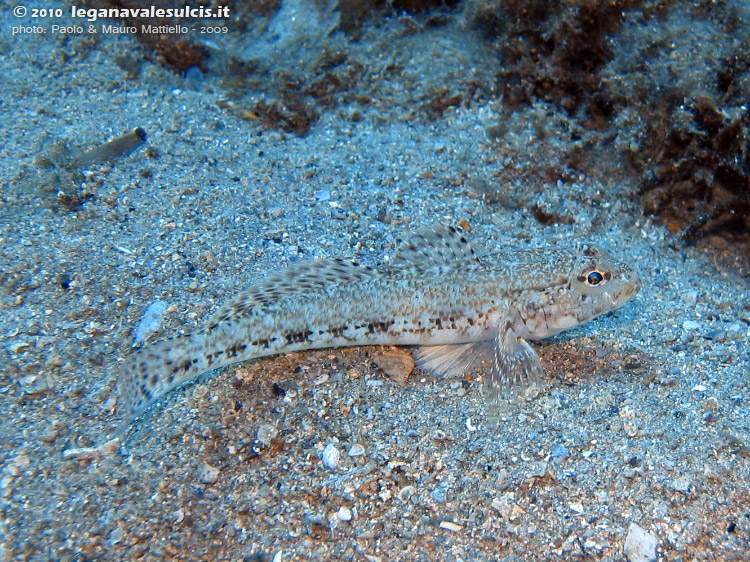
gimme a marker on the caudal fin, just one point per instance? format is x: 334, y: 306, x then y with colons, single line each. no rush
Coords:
x: 153, y: 370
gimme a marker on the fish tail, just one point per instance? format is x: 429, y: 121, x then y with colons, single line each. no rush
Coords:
x: 155, y: 369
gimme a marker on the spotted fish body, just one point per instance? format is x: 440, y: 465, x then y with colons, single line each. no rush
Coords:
x: 437, y: 293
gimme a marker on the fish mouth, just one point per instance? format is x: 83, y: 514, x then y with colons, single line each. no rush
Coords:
x: 635, y: 285
x: 625, y: 294
x: 632, y: 287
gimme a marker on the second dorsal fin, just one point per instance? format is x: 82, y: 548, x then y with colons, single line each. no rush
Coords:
x: 431, y: 247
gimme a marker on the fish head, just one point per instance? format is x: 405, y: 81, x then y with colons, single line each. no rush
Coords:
x: 595, y: 283
x: 603, y: 282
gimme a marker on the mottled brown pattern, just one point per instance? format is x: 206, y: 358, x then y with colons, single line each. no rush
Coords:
x: 437, y: 292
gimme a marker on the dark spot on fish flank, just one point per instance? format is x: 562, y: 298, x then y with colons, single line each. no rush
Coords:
x: 235, y: 348
x: 383, y: 327
x: 209, y: 359
x: 470, y: 321
x: 338, y: 332
x: 217, y: 353
x: 145, y: 391
x: 182, y: 366
x: 438, y: 323
x: 170, y: 379
x: 154, y: 380
x: 298, y: 337
x: 265, y: 342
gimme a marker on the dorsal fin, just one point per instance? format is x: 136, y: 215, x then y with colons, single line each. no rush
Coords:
x: 430, y: 247
x: 303, y: 277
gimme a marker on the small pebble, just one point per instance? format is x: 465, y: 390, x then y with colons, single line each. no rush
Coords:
x: 397, y: 364
x: 34, y: 384
x: 559, y: 454
x: 115, y: 536
x: 344, y: 514
x: 711, y: 404
x: 208, y: 474
x: 690, y: 298
x: 18, y: 464
x: 504, y: 505
x: 640, y: 545
x: 17, y: 347
x: 439, y: 495
x: 576, y: 507
x: 406, y: 492
x: 331, y: 456
x: 631, y: 429
x: 333, y: 520
x: 681, y: 484
x: 449, y: 526
x: 690, y: 325
x: 356, y: 450
x: 265, y: 433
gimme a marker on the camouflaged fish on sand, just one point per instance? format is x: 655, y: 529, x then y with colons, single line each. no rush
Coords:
x: 461, y: 308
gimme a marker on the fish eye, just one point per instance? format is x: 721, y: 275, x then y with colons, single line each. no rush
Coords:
x: 594, y: 278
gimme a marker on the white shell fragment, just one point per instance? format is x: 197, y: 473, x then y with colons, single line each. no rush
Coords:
x: 331, y: 456
x: 640, y: 545
x: 395, y: 363
x: 356, y: 450
x: 208, y: 474
x: 150, y: 321
x: 266, y: 432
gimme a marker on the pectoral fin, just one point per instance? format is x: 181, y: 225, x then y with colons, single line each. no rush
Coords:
x: 510, y: 362
x: 516, y: 364
x: 516, y: 367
